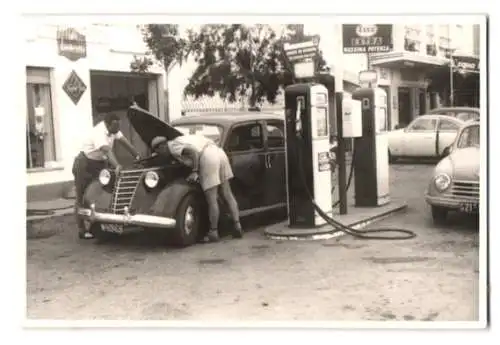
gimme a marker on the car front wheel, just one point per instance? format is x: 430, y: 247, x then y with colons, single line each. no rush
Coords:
x: 188, y: 222
x: 439, y: 215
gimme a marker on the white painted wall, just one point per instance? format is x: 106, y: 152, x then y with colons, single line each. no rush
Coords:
x: 109, y: 48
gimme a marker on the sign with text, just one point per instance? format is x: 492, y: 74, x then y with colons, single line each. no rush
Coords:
x: 302, y: 51
x: 465, y: 64
x: 71, y: 44
x: 365, y: 38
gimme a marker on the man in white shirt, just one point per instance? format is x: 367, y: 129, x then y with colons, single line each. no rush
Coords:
x: 211, y: 168
x: 97, y: 151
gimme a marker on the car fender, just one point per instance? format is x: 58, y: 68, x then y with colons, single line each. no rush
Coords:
x: 169, y: 198
x: 96, y: 194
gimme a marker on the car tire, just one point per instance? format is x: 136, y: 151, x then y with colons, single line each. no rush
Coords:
x: 188, y: 218
x: 439, y: 215
x: 392, y: 159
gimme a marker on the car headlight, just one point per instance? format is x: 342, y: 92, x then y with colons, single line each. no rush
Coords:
x: 442, y: 182
x: 104, y: 177
x: 151, y: 179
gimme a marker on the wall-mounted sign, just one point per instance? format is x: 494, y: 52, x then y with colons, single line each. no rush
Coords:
x: 465, y: 64
x: 74, y: 87
x: 71, y: 44
x: 363, y: 38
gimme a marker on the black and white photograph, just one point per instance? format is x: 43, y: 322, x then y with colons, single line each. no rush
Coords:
x: 322, y: 170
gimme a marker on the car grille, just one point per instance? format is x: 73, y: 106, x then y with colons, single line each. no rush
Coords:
x: 465, y: 190
x: 124, y: 191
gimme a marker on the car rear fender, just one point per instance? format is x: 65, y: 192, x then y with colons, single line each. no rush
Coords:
x: 169, y: 198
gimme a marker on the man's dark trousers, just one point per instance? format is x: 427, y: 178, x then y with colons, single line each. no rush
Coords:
x: 84, y: 171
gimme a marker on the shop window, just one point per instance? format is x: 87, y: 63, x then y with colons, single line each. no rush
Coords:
x: 431, y: 49
x: 40, y: 142
x: 412, y: 39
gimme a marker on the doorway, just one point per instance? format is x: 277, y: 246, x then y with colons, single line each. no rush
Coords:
x: 422, y: 102
x: 404, y: 106
x: 116, y: 92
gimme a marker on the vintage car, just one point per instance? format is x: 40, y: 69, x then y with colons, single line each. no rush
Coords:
x: 154, y: 195
x: 455, y: 182
x: 425, y: 137
x: 461, y: 113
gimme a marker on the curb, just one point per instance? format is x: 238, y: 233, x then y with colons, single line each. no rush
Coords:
x: 58, y: 213
x: 325, y: 232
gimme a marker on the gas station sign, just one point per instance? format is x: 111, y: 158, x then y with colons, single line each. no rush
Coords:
x: 364, y: 38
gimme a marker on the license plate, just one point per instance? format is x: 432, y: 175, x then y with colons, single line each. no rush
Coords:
x: 469, y: 207
x: 113, y: 228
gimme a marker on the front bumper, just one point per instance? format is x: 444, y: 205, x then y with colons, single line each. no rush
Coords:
x: 447, y: 202
x: 144, y: 220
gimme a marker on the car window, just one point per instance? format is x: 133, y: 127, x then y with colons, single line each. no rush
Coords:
x: 467, y: 116
x: 423, y: 125
x: 448, y: 125
x: 275, y: 135
x: 469, y: 137
x: 213, y: 132
x: 246, y: 137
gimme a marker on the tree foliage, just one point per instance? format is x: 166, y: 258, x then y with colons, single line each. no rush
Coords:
x: 233, y: 61
x: 236, y: 61
x: 165, y: 44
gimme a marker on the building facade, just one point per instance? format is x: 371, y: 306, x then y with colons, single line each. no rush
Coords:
x: 406, y: 72
x: 73, y: 76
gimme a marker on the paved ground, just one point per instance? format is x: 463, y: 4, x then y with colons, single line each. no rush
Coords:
x: 433, y: 277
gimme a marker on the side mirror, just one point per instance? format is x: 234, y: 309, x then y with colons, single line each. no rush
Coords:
x: 446, y: 151
x: 398, y: 126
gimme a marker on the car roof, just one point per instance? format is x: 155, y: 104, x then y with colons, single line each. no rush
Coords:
x: 226, y: 118
x: 457, y: 109
x: 438, y: 116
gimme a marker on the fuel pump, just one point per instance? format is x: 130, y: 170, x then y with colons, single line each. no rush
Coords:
x: 308, y: 175
x: 371, y: 163
x: 308, y: 139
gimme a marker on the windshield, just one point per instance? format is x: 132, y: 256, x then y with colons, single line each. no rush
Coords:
x: 469, y: 137
x: 213, y: 132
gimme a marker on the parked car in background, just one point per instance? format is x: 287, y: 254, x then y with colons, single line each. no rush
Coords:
x: 425, y: 137
x: 153, y: 194
x: 461, y: 113
x: 454, y: 185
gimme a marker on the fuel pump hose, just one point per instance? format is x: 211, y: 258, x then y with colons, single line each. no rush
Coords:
x: 362, y: 234
x: 349, y: 179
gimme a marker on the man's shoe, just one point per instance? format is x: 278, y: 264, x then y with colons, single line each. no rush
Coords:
x: 237, y: 230
x: 212, y: 236
x: 85, y: 235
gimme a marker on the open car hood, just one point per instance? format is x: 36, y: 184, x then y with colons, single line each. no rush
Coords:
x: 149, y: 126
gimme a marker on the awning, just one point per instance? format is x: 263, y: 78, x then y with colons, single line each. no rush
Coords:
x: 407, y: 60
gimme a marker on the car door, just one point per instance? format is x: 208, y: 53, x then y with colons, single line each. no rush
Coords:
x: 446, y: 134
x: 246, y: 152
x: 274, y: 136
x: 420, y: 138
